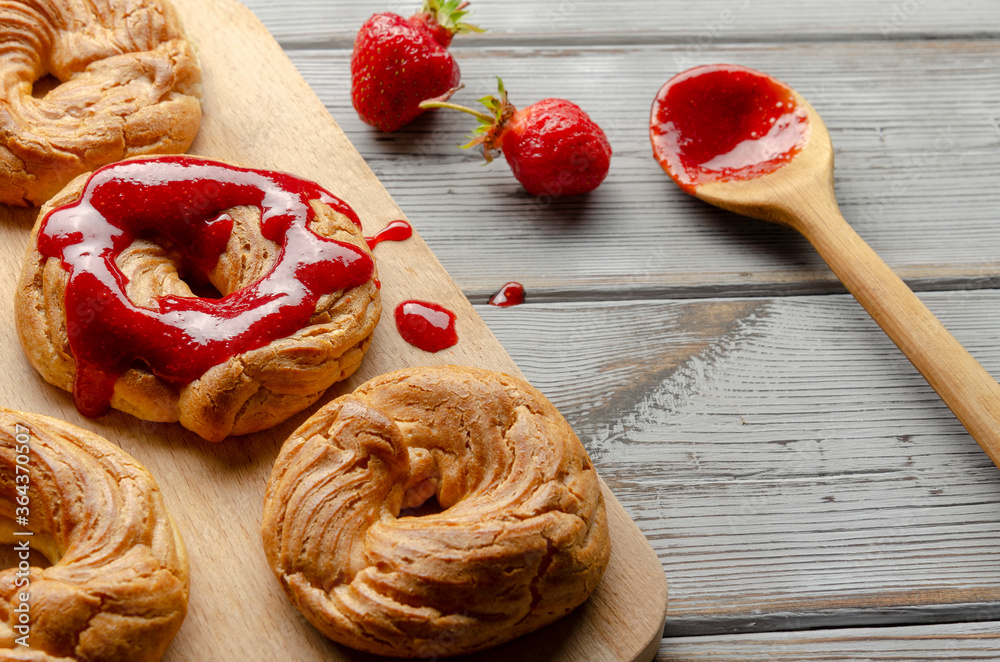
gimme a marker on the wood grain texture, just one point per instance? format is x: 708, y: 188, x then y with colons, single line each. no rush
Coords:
x: 968, y: 641
x: 259, y: 112
x: 800, y: 195
x: 696, y: 25
x: 914, y: 128
x: 788, y: 464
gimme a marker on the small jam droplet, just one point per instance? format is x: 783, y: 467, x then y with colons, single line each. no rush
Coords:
x: 511, y: 294
x: 426, y: 326
x: 398, y: 230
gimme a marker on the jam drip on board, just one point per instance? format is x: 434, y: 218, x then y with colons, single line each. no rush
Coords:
x: 184, y: 200
x: 724, y: 122
x: 398, y: 230
x: 426, y: 326
x: 511, y: 294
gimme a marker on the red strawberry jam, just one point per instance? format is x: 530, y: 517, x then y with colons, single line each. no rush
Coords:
x: 398, y: 230
x: 426, y: 326
x: 724, y: 122
x: 184, y: 200
x: 511, y: 294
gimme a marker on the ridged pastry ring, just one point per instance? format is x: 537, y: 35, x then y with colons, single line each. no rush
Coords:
x: 520, y: 540
x: 298, y: 302
x: 129, y: 85
x: 117, y: 589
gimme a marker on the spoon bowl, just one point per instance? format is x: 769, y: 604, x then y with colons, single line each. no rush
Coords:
x: 796, y: 189
x: 777, y: 196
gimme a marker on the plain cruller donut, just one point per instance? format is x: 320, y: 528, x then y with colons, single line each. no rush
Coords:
x: 520, y: 540
x: 129, y: 84
x: 105, y: 306
x: 117, y: 589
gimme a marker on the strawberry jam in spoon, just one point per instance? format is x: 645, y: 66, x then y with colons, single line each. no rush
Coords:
x: 743, y: 141
x: 725, y: 123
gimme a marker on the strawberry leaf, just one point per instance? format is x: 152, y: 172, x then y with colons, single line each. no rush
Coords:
x: 449, y: 14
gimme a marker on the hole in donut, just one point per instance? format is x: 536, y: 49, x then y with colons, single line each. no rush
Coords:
x: 11, y: 554
x: 192, y: 272
x: 11, y: 558
x: 420, y: 496
x: 428, y: 507
x: 44, y: 85
x: 227, y: 255
x: 203, y: 289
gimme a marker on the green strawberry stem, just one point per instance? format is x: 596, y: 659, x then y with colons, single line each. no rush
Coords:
x: 492, y: 124
x: 433, y: 103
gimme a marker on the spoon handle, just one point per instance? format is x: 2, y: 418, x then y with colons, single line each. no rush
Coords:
x: 963, y: 384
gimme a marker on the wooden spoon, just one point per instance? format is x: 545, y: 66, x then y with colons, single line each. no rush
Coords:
x: 743, y: 141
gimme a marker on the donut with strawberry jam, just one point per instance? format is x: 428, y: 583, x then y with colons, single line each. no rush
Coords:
x: 182, y: 289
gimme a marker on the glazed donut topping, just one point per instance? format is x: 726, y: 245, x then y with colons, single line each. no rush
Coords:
x: 184, y: 200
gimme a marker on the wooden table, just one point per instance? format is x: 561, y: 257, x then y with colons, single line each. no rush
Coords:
x: 807, y: 493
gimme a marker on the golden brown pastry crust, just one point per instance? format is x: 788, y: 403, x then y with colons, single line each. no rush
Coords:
x: 249, y: 392
x: 117, y: 588
x: 130, y: 84
x: 522, y: 538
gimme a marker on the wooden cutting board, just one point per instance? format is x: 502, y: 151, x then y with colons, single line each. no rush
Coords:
x: 258, y: 111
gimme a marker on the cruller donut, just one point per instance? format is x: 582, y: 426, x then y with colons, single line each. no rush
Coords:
x: 129, y: 85
x: 520, y: 540
x: 105, y: 307
x: 117, y: 589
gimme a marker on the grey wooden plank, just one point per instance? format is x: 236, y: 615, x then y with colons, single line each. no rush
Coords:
x: 967, y: 641
x: 695, y: 25
x: 916, y: 126
x: 789, y: 466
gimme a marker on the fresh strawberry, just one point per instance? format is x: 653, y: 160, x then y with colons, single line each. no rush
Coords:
x: 397, y: 62
x: 552, y: 146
